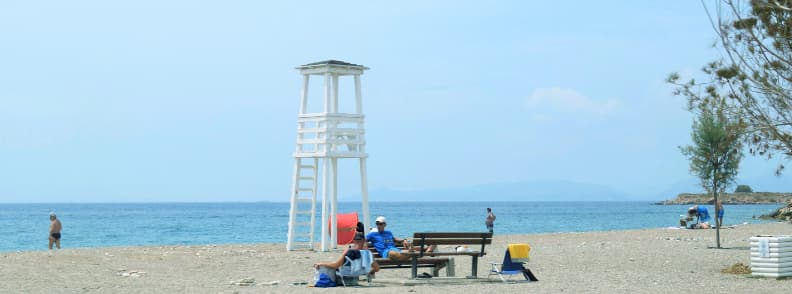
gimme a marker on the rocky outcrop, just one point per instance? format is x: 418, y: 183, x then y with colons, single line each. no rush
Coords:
x: 730, y: 198
x: 783, y: 213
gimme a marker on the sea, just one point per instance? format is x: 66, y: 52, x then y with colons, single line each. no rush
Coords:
x: 24, y: 227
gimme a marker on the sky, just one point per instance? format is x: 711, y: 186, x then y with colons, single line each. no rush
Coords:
x: 182, y: 101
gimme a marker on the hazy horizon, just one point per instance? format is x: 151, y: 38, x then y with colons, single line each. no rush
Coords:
x: 184, y: 101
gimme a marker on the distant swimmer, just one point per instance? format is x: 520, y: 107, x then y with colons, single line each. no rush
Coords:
x: 54, y: 231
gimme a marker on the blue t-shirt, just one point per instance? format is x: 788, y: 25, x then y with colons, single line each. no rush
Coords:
x: 381, y: 241
x: 703, y: 213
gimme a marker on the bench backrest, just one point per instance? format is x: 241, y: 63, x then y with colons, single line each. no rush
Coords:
x: 423, y: 239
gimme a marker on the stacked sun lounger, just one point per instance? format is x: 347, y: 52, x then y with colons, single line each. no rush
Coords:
x: 771, y: 256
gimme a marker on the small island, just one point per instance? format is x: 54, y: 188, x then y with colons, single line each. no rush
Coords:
x: 730, y: 198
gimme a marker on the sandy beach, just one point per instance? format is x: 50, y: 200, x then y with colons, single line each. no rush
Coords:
x: 634, y: 261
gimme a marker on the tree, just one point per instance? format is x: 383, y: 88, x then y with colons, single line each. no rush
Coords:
x: 743, y: 189
x: 755, y: 71
x: 717, y: 150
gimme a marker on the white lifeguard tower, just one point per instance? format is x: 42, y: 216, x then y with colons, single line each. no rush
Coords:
x: 325, y: 136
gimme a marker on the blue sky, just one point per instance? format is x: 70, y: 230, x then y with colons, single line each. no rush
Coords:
x: 196, y: 100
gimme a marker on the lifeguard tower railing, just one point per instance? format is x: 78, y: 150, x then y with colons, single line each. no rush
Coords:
x: 339, y: 135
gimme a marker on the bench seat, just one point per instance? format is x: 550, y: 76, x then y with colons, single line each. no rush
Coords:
x: 435, y: 263
x: 476, y: 240
x: 439, y: 259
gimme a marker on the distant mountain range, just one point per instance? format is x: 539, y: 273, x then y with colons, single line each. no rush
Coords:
x: 558, y: 190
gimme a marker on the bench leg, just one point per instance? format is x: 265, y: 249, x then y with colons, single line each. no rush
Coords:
x: 450, y: 272
x: 414, y: 267
x: 475, y: 268
x: 437, y: 267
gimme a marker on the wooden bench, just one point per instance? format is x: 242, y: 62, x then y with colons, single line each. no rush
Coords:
x: 436, y: 263
x: 476, y: 242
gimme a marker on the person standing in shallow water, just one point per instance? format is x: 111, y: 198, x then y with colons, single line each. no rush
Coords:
x: 490, y: 222
x: 54, y: 231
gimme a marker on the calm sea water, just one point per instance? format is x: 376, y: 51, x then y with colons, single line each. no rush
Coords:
x: 25, y: 226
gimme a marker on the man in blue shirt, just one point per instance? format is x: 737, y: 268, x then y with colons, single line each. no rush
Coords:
x: 702, y: 216
x: 385, y: 243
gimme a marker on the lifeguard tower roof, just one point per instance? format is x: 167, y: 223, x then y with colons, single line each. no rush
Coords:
x: 332, y: 63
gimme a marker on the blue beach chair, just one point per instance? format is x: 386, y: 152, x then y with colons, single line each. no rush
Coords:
x: 514, y: 264
x: 349, y: 273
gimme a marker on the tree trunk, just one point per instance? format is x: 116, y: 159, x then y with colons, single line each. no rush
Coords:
x: 717, y: 225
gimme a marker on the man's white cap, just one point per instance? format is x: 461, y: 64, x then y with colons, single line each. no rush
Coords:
x: 381, y: 219
x: 52, y: 213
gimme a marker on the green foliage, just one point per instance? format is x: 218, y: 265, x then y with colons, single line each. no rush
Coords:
x: 717, y: 150
x: 755, y: 73
x: 743, y: 189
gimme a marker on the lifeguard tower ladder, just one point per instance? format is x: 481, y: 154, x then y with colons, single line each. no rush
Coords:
x: 325, y: 136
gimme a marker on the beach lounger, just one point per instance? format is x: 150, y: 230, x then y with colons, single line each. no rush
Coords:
x: 514, y: 264
x: 349, y: 273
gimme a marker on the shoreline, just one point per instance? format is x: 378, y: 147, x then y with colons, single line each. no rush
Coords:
x: 284, y: 243
x: 623, y: 261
